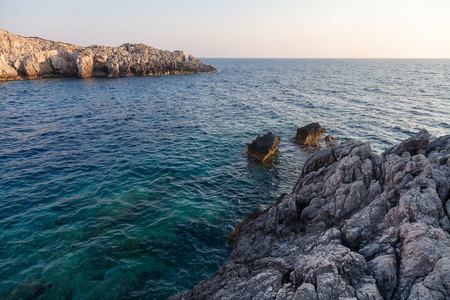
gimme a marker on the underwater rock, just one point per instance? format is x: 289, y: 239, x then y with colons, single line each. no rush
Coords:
x: 357, y: 225
x: 30, y: 289
x: 263, y: 146
x: 330, y: 138
x: 309, y: 134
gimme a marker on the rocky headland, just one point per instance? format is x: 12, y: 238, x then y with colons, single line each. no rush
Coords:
x: 32, y: 57
x: 357, y: 225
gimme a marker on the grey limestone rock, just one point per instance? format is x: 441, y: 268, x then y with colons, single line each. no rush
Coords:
x: 413, y: 145
x: 29, y: 58
x: 357, y: 225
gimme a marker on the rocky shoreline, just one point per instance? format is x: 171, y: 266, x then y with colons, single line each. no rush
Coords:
x: 32, y: 57
x: 357, y: 225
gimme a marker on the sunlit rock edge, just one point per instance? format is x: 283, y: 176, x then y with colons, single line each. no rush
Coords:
x: 32, y: 57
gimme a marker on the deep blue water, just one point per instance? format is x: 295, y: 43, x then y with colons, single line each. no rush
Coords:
x: 128, y: 188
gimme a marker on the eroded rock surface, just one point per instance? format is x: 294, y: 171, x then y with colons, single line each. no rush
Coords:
x: 309, y: 134
x: 357, y: 225
x: 29, y: 58
x: 263, y: 146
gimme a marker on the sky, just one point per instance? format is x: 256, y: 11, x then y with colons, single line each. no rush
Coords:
x: 244, y: 28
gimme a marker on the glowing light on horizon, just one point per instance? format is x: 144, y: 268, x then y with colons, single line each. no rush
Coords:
x: 324, y: 28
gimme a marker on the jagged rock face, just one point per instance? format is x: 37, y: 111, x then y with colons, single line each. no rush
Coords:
x: 263, y: 146
x: 357, y: 225
x: 194, y: 59
x: 84, y: 60
x: 309, y: 134
x: 37, y: 64
x: 29, y: 58
x: 6, y: 71
x: 16, y: 47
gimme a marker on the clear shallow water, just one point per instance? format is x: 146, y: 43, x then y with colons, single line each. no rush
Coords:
x: 128, y: 188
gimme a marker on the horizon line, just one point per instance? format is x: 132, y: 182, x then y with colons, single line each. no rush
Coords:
x: 208, y: 57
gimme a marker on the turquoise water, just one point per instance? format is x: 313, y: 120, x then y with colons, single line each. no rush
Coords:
x: 128, y: 188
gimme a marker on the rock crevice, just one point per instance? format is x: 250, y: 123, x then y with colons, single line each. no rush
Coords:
x: 357, y: 225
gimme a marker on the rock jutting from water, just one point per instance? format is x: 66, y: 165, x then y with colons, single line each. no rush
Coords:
x: 357, y: 225
x: 29, y: 58
x: 309, y: 135
x: 263, y: 146
x: 330, y: 138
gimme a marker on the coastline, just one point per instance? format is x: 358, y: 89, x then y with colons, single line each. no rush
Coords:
x: 32, y: 58
x: 356, y: 225
x: 160, y: 111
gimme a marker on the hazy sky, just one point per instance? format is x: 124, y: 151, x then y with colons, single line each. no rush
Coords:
x: 243, y: 28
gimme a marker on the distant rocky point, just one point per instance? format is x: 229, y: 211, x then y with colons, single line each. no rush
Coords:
x: 357, y: 225
x: 32, y: 57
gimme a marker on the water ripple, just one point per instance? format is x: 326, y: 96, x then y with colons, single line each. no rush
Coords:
x: 128, y: 188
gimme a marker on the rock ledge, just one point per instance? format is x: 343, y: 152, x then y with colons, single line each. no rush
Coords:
x: 357, y: 225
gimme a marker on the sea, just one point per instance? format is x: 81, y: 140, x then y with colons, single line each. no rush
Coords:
x: 128, y: 188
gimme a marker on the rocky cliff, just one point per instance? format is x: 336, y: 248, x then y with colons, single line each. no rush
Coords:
x: 357, y: 225
x: 29, y: 58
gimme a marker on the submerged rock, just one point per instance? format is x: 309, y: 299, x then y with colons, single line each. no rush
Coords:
x: 29, y: 58
x: 263, y: 146
x: 30, y: 289
x: 357, y: 225
x: 330, y: 138
x: 309, y: 134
